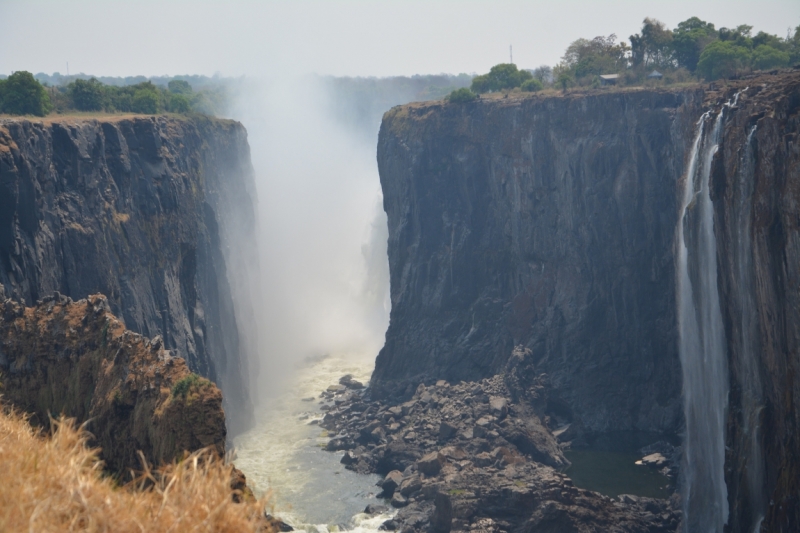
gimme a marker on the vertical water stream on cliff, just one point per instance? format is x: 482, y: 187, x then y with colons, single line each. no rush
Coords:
x: 702, y: 343
x: 746, y: 335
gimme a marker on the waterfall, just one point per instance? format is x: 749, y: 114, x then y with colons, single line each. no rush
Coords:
x: 702, y: 343
x: 746, y: 335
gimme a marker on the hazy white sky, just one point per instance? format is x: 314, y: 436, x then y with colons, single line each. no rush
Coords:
x: 350, y: 37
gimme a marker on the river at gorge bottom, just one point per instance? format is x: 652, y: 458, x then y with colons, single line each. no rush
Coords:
x: 283, y: 455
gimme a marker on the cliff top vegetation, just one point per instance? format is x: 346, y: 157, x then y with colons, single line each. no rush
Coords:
x: 56, y: 483
x: 23, y: 94
x: 694, y: 51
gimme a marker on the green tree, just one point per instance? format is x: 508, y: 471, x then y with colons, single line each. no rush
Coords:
x: 87, y: 95
x: 601, y: 55
x: 460, y: 96
x: 653, y: 47
x: 766, y: 58
x: 21, y: 94
x: 544, y: 74
x: 740, y: 35
x: 793, y: 47
x: 531, y: 86
x: 178, y: 103
x: 721, y: 59
x: 500, y: 77
x: 145, y: 101
x: 179, y: 87
x: 563, y: 77
x: 689, y: 39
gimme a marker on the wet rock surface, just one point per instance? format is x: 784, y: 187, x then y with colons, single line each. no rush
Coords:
x: 468, y: 457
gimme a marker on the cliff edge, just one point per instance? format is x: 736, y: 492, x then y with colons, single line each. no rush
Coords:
x: 77, y: 359
x: 157, y: 213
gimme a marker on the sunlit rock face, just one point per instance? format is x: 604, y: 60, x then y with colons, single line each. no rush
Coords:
x: 551, y: 222
x: 141, y: 210
x: 77, y: 359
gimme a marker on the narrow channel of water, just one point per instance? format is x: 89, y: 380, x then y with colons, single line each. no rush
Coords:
x: 284, y: 454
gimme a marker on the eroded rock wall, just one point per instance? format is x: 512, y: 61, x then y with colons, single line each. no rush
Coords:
x: 756, y: 195
x: 546, y: 222
x: 549, y: 222
x: 142, y: 210
x: 77, y: 359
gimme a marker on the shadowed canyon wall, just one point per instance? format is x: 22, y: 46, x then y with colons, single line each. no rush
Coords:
x: 550, y: 222
x: 143, y: 210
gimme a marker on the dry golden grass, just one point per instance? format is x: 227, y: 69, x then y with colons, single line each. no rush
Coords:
x: 56, y: 484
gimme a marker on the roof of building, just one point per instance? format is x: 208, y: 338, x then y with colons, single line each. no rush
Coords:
x: 655, y: 74
x: 609, y: 76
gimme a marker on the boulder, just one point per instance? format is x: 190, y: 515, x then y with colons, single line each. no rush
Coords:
x: 391, y: 482
x: 447, y: 431
x: 340, y: 443
x: 431, y: 464
x: 655, y: 460
x: 348, y: 458
x: 398, y: 500
x: 498, y: 407
x: 375, y: 508
x: 350, y: 383
x: 410, y: 485
x: 442, y: 518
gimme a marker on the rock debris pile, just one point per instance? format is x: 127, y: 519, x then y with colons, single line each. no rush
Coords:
x: 468, y: 457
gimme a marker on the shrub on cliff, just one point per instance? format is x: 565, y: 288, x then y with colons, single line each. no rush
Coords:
x: 178, y: 103
x: 87, y: 95
x: 532, y: 86
x: 189, y: 384
x: 460, y: 96
x: 145, y: 101
x: 500, y: 77
x: 21, y: 94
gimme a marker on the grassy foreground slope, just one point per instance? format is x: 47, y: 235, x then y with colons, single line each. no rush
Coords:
x: 55, y: 483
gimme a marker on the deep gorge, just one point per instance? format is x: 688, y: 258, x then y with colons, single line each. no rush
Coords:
x: 535, y: 271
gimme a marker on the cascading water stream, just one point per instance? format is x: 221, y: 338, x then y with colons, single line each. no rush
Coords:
x: 702, y: 342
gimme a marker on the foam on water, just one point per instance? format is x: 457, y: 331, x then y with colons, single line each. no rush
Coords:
x: 283, y: 454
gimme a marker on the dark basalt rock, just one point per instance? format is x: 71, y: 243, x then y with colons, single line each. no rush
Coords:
x: 534, y: 237
x: 541, y: 222
x: 484, y: 483
x: 142, y: 210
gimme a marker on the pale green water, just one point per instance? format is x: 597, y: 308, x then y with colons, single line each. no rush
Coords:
x: 613, y: 473
x: 283, y: 454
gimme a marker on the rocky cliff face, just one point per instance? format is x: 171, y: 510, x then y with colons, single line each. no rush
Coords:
x: 142, y: 210
x: 756, y: 193
x: 543, y: 222
x: 550, y: 222
x: 77, y: 359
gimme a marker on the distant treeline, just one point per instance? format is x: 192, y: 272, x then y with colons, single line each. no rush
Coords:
x: 694, y: 50
x: 360, y: 102
x: 24, y: 94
